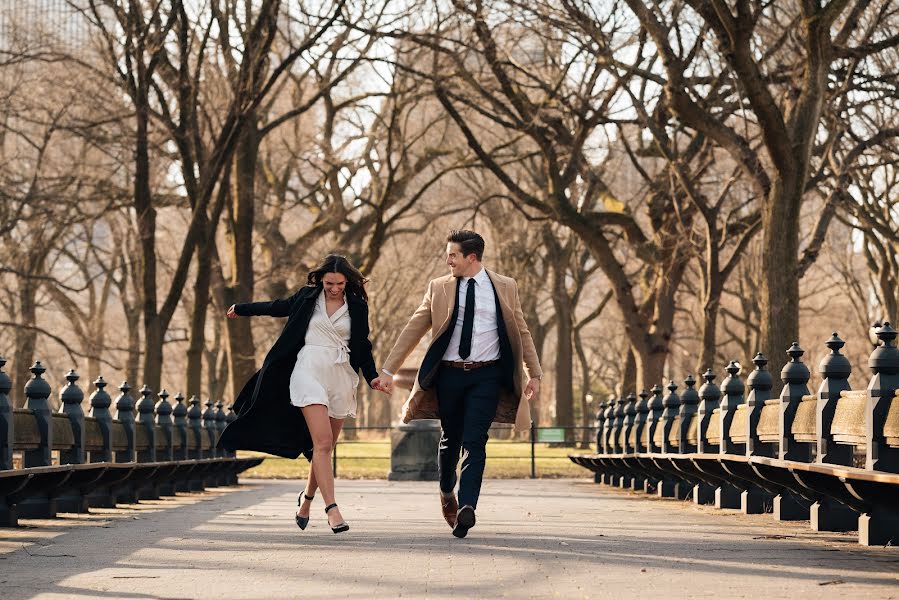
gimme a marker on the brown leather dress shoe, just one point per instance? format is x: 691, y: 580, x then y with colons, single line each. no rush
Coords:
x: 450, y: 507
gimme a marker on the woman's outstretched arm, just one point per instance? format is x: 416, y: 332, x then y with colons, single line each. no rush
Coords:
x: 274, y: 308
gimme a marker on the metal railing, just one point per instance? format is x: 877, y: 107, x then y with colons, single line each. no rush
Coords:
x: 356, y: 441
x: 565, y: 436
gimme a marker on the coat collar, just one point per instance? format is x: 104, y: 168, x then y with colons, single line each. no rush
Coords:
x: 449, y: 282
x: 353, y: 299
x: 500, y: 287
x: 449, y: 286
x: 310, y: 291
x: 497, y: 280
x: 481, y: 278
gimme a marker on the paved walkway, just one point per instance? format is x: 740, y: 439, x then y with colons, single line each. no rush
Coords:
x: 534, y: 539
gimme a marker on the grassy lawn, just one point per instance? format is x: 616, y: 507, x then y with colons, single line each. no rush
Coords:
x: 370, y: 459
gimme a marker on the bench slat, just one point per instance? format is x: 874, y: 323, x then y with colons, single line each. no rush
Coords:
x: 848, y: 425
x: 63, y: 436
x: 658, y: 436
x: 769, y: 421
x: 26, y: 435
x: 713, y: 432
x: 693, y: 430
x: 891, y: 426
x: 93, y: 436
x: 805, y: 420
x: 674, y: 434
x: 739, y: 426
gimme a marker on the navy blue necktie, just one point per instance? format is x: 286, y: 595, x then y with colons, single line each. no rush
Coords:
x: 467, y: 322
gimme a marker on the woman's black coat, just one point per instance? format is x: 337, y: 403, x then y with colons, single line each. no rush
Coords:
x: 266, y: 420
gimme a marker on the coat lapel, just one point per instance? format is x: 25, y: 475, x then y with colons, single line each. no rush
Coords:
x: 449, y: 299
x: 308, y: 293
x: 502, y: 292
x: 422, y: 402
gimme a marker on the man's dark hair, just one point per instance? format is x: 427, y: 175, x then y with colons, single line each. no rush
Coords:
x: 469, y: 241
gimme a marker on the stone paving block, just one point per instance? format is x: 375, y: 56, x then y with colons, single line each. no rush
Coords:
x: 534, y: 539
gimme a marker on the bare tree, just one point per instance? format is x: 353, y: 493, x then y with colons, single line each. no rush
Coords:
x: 41, y: 200
x: 875, y: 215
x: 151, y: 51
x: 540, y: 107
x: 786, y: 89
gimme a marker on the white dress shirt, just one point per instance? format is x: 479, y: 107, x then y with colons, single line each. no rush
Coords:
x: 485, y: 336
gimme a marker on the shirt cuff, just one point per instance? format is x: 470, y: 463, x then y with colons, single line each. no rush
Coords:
x: 386, y: 372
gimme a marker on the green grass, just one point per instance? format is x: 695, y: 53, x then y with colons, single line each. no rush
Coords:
x: 370, y: 459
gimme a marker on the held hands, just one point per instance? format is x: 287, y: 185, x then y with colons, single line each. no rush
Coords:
x: 231, y: 313
x: 384, y: 383
x: 532, y: 390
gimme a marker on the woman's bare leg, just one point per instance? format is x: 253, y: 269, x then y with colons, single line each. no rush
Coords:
x: 319, y: 424
x: 311, y: 483
x: 309, y: 490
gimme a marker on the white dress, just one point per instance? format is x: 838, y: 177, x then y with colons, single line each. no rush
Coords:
x: 322, y: 374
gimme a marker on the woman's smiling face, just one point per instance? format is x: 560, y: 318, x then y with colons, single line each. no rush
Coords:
x: 334, y: 284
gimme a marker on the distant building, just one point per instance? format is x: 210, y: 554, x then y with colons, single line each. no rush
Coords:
x: 41, y: 23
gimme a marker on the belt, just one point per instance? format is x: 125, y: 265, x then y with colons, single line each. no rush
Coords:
x: 343, y: 352
x: 467, y: 365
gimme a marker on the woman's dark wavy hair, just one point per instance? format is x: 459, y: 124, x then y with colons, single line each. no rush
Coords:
x: 335, y: 263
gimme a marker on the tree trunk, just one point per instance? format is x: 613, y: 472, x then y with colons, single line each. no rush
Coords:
x: 146, y: 230
x: 95, y: 345
x: 648, y: 325
x: 152, y: 370
x: 379, y: 414
x: 889, y: 286
x: 629, y: 381
x: 709, y: 332
x: 207, y: 264
x: 132, y: 363
x: 349, y: 426
x: 197, y: 344
x: 586, y: 416
x: 26, y: 339
x: 242, y: 208
x: 375, y: 246
x: 564, y: 372
x: 217, y: 370
x: 780, y: 284
x: 650, y: 367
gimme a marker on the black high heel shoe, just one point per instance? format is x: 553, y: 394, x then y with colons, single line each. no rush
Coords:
x: 303, y: 521
x: 340, y: 526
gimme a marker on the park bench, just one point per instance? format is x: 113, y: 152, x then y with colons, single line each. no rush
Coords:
x: 831, y: 458
x: 71, y: 462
